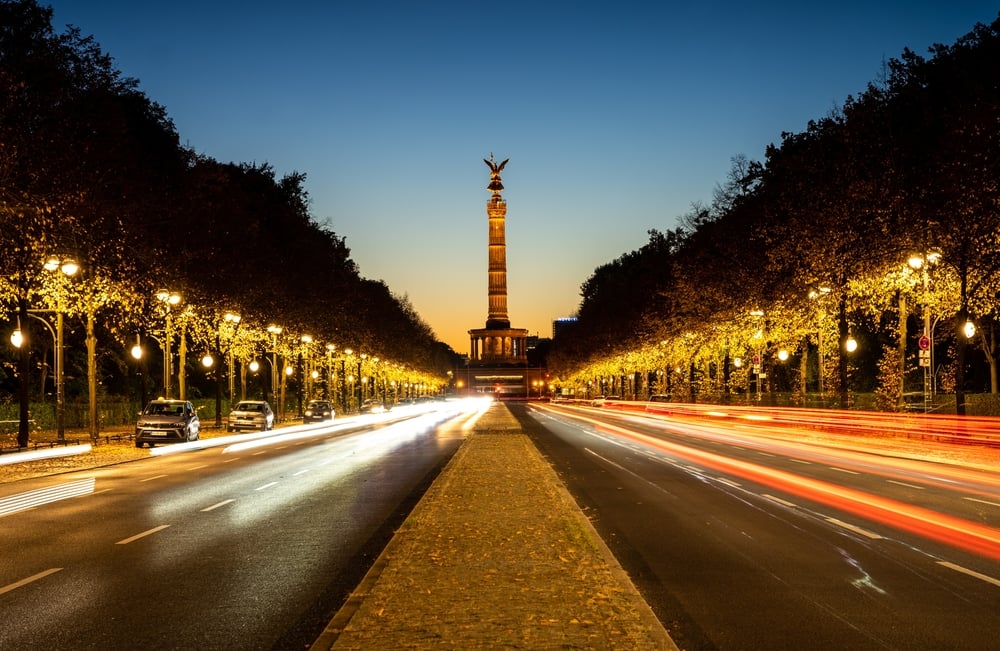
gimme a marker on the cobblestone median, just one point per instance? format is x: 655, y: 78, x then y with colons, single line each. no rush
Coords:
x: 496, y: 555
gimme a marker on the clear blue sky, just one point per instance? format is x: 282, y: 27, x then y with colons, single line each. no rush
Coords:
x: 616, y: 116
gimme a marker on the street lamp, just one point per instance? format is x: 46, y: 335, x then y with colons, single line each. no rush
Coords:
x: 68, y: 267
x: 169, y: 299
x: 136, y: 352
x: 758, y: 358
x: 274, y: 330
x: 921, y: 263
x: 307, y: 376
x: 330, y: 349
x: 233, y: 319
x: 816, y: 294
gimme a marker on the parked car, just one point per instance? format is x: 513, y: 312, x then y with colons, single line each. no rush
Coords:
x: 372, y: 406
x: 318, y: 410
x: 252, y: 415
x: 167, y: 421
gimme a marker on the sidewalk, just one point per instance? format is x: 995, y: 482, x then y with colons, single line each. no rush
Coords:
x: 496, y: 555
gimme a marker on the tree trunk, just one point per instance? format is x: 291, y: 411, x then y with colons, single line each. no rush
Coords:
x: 23, y: 372
x: 960, y: 345
x: 902, y: 343
x: 845, y: 396
x: 92, y: 376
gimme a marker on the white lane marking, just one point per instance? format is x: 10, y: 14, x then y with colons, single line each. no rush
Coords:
x: 151, y: 478
x: 849, y: 472
x: 260, y: 453
x: 973, y: 573
x: 764, y: 454
x: 260, y: 488
x: 30, y: 579
x: 855, y: 529
x: 215, y: 506
x: 142, y: 535
x: 780, y: 501
x: 229, y: 460
x: 802, y: 461
x: 204, y: 465
x: 903, y: 483
x: 974, y: 499
x: 727, y: 482
x: 31, y: 499
x: 301, y: 472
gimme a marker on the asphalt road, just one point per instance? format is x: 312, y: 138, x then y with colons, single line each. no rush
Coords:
x: 742, y: 539
x: 219, y: 548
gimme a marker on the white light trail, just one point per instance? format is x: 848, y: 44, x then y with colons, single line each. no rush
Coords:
x: 31, y: 499
x: 50, y: 453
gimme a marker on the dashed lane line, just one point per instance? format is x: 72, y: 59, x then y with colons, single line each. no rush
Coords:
x: 142, y: 535
x: 856, y: 529
x: 972, y: 573
x: 217, y: 505
x: 30, y: 579
x: 976, y: 499
x: 903, y: 483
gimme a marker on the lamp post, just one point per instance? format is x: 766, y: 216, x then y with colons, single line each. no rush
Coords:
x: 817, y: 294
x: 136, y: 352
x: 328, y: 393
x: 926, y: 344
x: 343, y: 379
x: 284, y: 379
x: 169, y: 299
x: 68, y: 267
x: 234, y: 320
x: 307, y: 375
x: 361, y: 379
x: 274, y: 330
x: 758, y: 358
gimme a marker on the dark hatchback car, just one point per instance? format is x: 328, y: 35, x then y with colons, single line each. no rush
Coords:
x: 318, y: 410
x: 167, y: 421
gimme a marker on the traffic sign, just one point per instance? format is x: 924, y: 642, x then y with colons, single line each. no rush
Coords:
x: 924, y: 342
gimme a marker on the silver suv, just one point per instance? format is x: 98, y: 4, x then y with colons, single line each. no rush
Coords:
x: 167, y: 421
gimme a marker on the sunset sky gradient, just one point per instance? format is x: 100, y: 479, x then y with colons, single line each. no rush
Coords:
x: 616, y: 117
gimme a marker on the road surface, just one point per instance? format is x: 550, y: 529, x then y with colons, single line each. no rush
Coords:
x: 743, y: 537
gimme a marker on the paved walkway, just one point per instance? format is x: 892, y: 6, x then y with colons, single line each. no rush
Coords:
x: 496, y: 555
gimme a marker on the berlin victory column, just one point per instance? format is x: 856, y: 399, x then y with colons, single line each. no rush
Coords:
x: 497, y: 344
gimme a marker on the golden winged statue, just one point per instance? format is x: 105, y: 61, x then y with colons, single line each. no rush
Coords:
x: 495, y: 185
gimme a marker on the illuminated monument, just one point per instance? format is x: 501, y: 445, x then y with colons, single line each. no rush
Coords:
x: 497, y: 345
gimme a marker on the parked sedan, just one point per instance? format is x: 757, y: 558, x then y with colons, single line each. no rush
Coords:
x: 167, y: 421
x: 317, y: 411
x: 252, y: 415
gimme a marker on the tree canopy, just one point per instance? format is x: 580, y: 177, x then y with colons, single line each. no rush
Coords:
x: 908, y: 167
x: 91, y: 168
